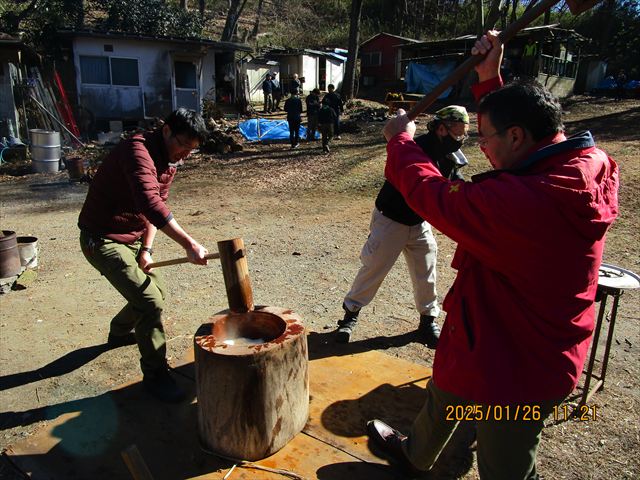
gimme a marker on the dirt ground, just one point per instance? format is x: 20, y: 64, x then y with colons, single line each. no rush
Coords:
x: 304, y: 217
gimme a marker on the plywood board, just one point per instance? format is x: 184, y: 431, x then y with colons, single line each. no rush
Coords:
x: 83, y: 438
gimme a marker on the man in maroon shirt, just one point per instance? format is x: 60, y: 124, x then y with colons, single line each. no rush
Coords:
x: 124, y: 208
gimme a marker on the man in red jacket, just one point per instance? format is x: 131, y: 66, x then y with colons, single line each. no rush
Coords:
x: 124, y: 208
x: 520, y: 313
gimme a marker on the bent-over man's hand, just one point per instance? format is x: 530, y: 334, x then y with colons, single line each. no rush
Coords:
x: 400, y: 123
x: 144, y: 260
x: 196, y: 253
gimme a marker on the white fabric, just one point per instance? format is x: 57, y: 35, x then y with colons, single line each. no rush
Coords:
x: 387, y: 239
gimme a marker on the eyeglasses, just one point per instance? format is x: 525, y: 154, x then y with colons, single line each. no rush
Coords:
x: 484, y: 139
x: 184, y: 144
x: 457, y: 138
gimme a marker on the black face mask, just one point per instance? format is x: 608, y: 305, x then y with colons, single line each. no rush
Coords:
x: 450, y: 144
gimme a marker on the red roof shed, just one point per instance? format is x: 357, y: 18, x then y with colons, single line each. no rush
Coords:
x: 379, y: 58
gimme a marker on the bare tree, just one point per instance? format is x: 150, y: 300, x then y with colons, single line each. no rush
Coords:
x: 348, y: 85
x: 235, y: 10
x: 256, y: 25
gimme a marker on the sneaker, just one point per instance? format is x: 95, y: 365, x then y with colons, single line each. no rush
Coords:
x: 429, y: 331
x: 346, y: 325
x: 325, y: 149
x: 115, y: 341
x: 161, y: 385
x: 338, y: 137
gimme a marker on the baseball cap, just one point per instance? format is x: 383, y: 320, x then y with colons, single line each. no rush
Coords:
x: 452, y: 113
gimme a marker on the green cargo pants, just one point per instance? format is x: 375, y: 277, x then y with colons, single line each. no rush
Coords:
x: 507, y: 437
x: 118, y: 263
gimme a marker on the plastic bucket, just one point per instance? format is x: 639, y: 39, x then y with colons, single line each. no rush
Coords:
x: 9, y: 256
x: 45, y: 150
x: 28, y: 251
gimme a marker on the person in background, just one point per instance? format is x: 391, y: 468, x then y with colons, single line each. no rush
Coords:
x: 515, y: 338
x: 124, y: 208
x: 529, y: 56
x: 326, y: 121
x: 267, y: 90
x: 293, y: 107
x: 334, y: 100
x: 295, y: 85
x: 395, y: 228
x: 277, y: 91
x: 313, y: 107
x: 621, y: 80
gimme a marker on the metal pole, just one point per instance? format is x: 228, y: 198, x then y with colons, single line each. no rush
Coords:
x: 56, y: 119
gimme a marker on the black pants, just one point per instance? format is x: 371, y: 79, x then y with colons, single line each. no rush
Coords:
x: 294, y: 131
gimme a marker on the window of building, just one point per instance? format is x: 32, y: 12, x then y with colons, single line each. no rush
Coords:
x: 124, y: 71
x: 95, y: 70
x: 109, y: 71
x: 372, y: 59
x: 185, y: 75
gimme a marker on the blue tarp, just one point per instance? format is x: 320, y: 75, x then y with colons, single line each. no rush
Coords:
x: 262, y: 130
x: 424, y: 78
x: 610, y: 83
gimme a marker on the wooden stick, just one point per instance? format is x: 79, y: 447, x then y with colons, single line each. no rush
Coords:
x: 176, y: 261
x: 135, y: 463
x: 468, y: 65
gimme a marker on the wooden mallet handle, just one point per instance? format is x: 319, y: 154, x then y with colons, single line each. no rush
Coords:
x: 177, y: 261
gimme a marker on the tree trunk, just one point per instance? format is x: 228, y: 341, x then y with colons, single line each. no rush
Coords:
x: 514, y: 11
x: 256, y: 26
x: 609, y: 19
x: 348, y: 85
x: 479, y: 18
x: 233, y: 15
x: 202, y: 6
x: 184, y: 4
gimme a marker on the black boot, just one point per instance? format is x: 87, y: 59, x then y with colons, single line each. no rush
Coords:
x: 161, y: 385
x: 429, y: 330
x: 346, y: 325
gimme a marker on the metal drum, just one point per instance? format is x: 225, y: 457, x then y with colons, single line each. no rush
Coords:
x: 45, y: 150
x: 9, y: 255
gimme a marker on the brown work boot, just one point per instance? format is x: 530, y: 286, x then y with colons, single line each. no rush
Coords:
x: 389, y: 442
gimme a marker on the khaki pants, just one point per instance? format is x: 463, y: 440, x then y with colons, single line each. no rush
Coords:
x: 506, y: 448
x: 387, y: 239
x: 144, y: 293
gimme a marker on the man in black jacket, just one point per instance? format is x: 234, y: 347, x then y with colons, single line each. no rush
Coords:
x: 334, y: 100
x: 293, y: 107
x: 267, y: 90
x: 313, y: 107
x: 395, y: 229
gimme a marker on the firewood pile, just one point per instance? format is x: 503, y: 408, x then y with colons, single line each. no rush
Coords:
x: 220, y: 138
x: 367, y: 111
